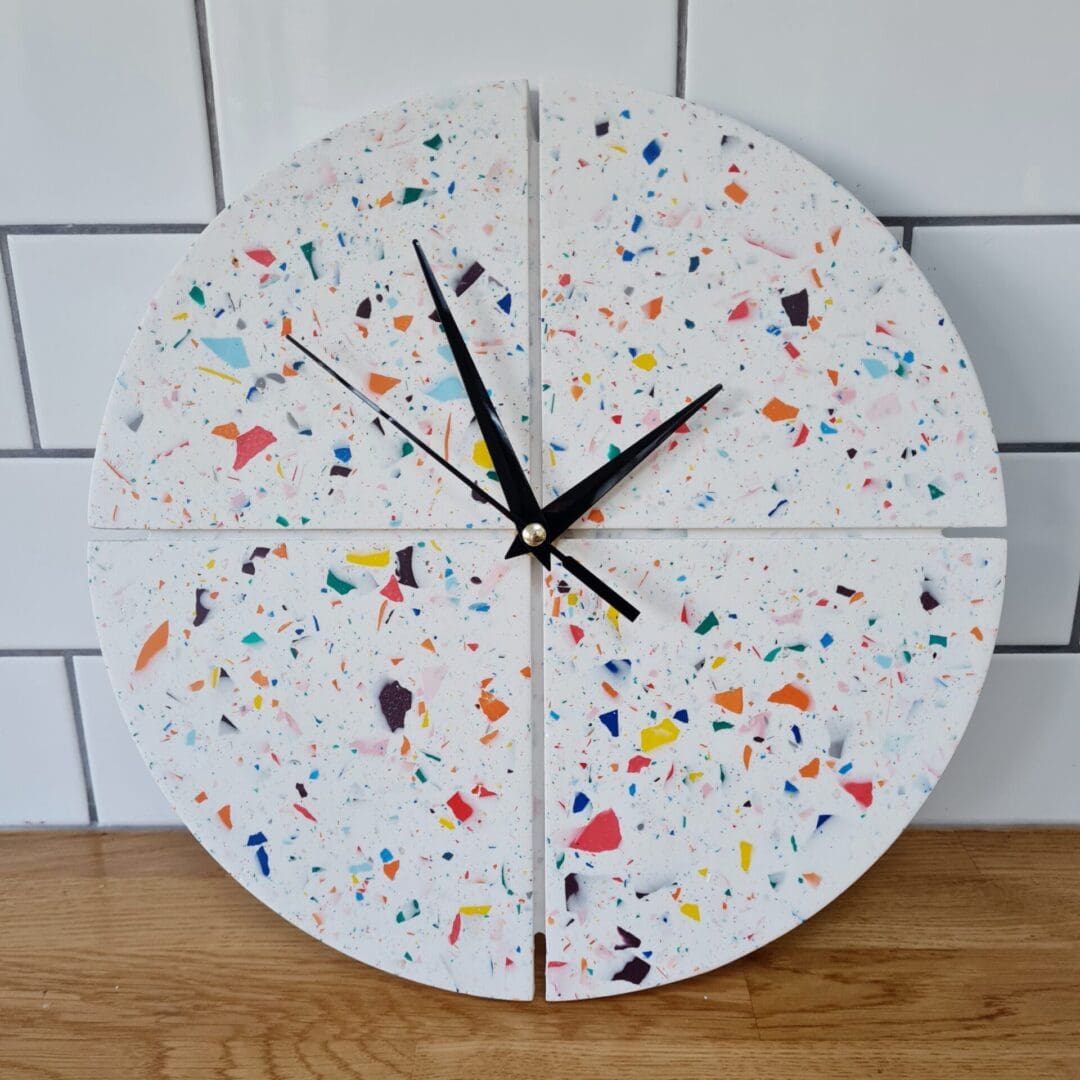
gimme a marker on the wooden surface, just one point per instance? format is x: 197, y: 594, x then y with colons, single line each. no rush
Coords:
x: 133, y: 954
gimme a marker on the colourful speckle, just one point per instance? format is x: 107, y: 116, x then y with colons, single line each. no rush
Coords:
x: 231, y: 350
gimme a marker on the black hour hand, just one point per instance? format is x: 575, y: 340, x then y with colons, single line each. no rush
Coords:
x: 561, y: 513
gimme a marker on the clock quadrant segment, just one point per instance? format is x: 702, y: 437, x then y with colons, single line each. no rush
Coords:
x: 216, y: 421
x: 344, y: 725
x: 681, y: 248
x: 721, y: 769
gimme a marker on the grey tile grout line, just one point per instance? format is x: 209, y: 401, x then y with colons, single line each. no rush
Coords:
x: 1039, y: 448
x: 682, y: 18
x: 1068, y: 649
x: 20, y: 342
x: 25, y: 654
x: 927, y: 221
x: 209, y: 101
x: 80, y: 735
x: 46, y: 452
x: 102, y: 228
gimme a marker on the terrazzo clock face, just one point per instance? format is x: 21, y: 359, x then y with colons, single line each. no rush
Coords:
x: 346, y: 684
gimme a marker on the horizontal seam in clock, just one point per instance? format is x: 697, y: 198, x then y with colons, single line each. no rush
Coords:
x: 1018, y: 648
x: 88, y: 451
x: 1011, y: 649
x: 344, y: 533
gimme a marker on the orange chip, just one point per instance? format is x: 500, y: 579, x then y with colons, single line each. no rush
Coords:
x: 777, y: 410
x: 735, y: 193
x: 379, y: 384
x: 153, y: 645
x: 790, y: 694
x: 732, y: 700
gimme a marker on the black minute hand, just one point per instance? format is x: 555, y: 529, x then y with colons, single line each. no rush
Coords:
x: 561, y: 513
x: 524, y: 506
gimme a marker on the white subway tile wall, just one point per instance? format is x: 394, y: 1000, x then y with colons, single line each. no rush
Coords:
x: 1042, y: 494
x: 108, y: 114
x: 1020, y: 759
x: 41, y: 776
x: 103, y: 118
x: 1012, y: 293
x: 45, y: 597
x: 103, y: 284
x: 287, y: 73
x: 921, y: 107
x: 124, y: 791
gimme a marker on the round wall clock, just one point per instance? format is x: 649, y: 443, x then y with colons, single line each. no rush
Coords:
x: 372, y: 669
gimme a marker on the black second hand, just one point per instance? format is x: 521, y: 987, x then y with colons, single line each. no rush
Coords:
x: 376, y: 407
x: 570, y: 564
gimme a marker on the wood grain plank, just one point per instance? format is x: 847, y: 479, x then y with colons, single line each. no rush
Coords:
x: 134, y: 954
x: 658, y: 1056
x: 1018, y: 991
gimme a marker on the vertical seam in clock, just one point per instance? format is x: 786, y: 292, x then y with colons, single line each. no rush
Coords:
x: 80, y: 735
x: 536, y: 580
x: 211, y: 107
x: 682, y: 17
x: 20, y: 343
